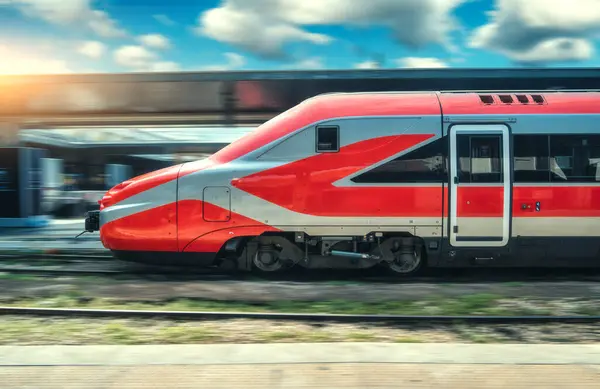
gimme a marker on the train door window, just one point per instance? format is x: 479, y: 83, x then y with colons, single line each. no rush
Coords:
x: 424, y: 164
x: 4, y: 180
x: 9, y: 169
x: 531, y: 158
x: 479, y: 158
x: 575, y: 158
x: 328, y: 139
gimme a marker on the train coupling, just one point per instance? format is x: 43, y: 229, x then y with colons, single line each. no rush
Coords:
x: 92, y: 221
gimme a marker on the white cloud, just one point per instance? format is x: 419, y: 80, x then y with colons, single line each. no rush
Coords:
x: 265, y: 26
x: 71, y: 12
x: 164, y: 66
x: 136, y: 57
x: 458, y: 60
x: 20, y: 62
x: 155, y: 41
x: 540, y: 30
x: 309, y: 63
x: 367, y: 65
x: 421, y: 62
x: 101, y: 23
x: 234, y: 62
x: 140, y: 59
x: 556, y: 50
x: 92, y: 49
x: 164, y: 19
x: 254, y: 32
x: 313, y: 63
x: 53, y: 11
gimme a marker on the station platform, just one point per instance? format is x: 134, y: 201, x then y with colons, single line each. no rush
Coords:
x: 288, y: 365
x: 58, y: 235
x: 64, y: 246
x: 57, y: 228
x: 25, y: 222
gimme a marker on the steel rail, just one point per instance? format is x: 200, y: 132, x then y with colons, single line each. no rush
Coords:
x: 83, y: 272
x: 30, y: 267
x: 38, y: 257
x: 50, y: 272
x: 60, y: 272
x: 314, y: 317
x: 49, y: 263
x: 53, y: 254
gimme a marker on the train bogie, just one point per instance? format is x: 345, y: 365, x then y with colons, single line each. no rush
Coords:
x: 398, y: 180
x: 402, y: 254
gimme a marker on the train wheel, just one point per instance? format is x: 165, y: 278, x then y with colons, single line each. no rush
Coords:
x: 274, y: 254
x: 406, y: 263
x: 267, y: 260
x: 402, y: 256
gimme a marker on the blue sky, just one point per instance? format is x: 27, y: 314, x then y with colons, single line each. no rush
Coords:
x: 83, y: 36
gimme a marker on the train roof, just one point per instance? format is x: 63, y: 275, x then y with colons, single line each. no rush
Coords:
x: 457, y: 102
x: 373, y: 104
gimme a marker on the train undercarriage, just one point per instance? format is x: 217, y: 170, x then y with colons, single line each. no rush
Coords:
x: 270, y: 253
x: 401, y: 254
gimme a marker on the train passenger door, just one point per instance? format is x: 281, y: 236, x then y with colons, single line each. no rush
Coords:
x: 480, y: 185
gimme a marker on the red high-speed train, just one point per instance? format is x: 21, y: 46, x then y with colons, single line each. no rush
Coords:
x: 404, y: 180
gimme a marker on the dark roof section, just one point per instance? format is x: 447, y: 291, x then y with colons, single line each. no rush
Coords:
x: 227, y: 98
x: 310, y: 75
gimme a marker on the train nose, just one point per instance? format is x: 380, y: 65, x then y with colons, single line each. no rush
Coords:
x: 138, y: 185
x: 140, y: 214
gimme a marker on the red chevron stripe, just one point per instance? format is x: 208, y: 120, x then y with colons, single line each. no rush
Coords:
x: 306, y: 186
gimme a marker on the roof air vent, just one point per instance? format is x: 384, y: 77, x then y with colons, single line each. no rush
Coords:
x: 523, y: 99
x: 538, y: 99
x: 486, y: 99
x: 506, y: 99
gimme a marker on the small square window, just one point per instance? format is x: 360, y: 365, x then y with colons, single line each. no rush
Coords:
x: 328, y: 139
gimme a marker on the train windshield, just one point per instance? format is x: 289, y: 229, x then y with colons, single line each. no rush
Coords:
x: 275, y: 128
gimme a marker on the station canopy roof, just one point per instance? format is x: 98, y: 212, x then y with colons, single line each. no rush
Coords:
x: 177, y: 136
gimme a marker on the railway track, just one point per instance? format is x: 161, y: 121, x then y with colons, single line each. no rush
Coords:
x: 61, y: 267
x: 56, y: 258
x: 72, y: 265
x: 93, y: 263
x: 303, y: 317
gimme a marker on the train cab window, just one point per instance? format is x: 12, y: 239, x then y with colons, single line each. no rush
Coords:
x: 479, y: 158
x: 424, y: 164
x: 328, y: 139
x: 575, y: 158
x: 531, y: 158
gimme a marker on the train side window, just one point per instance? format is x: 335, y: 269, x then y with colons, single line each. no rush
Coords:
x: 328, y: 139
x: 531, y: 158
x: 479, y: 158
x: 424, y: 164
x: 575, y: 158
